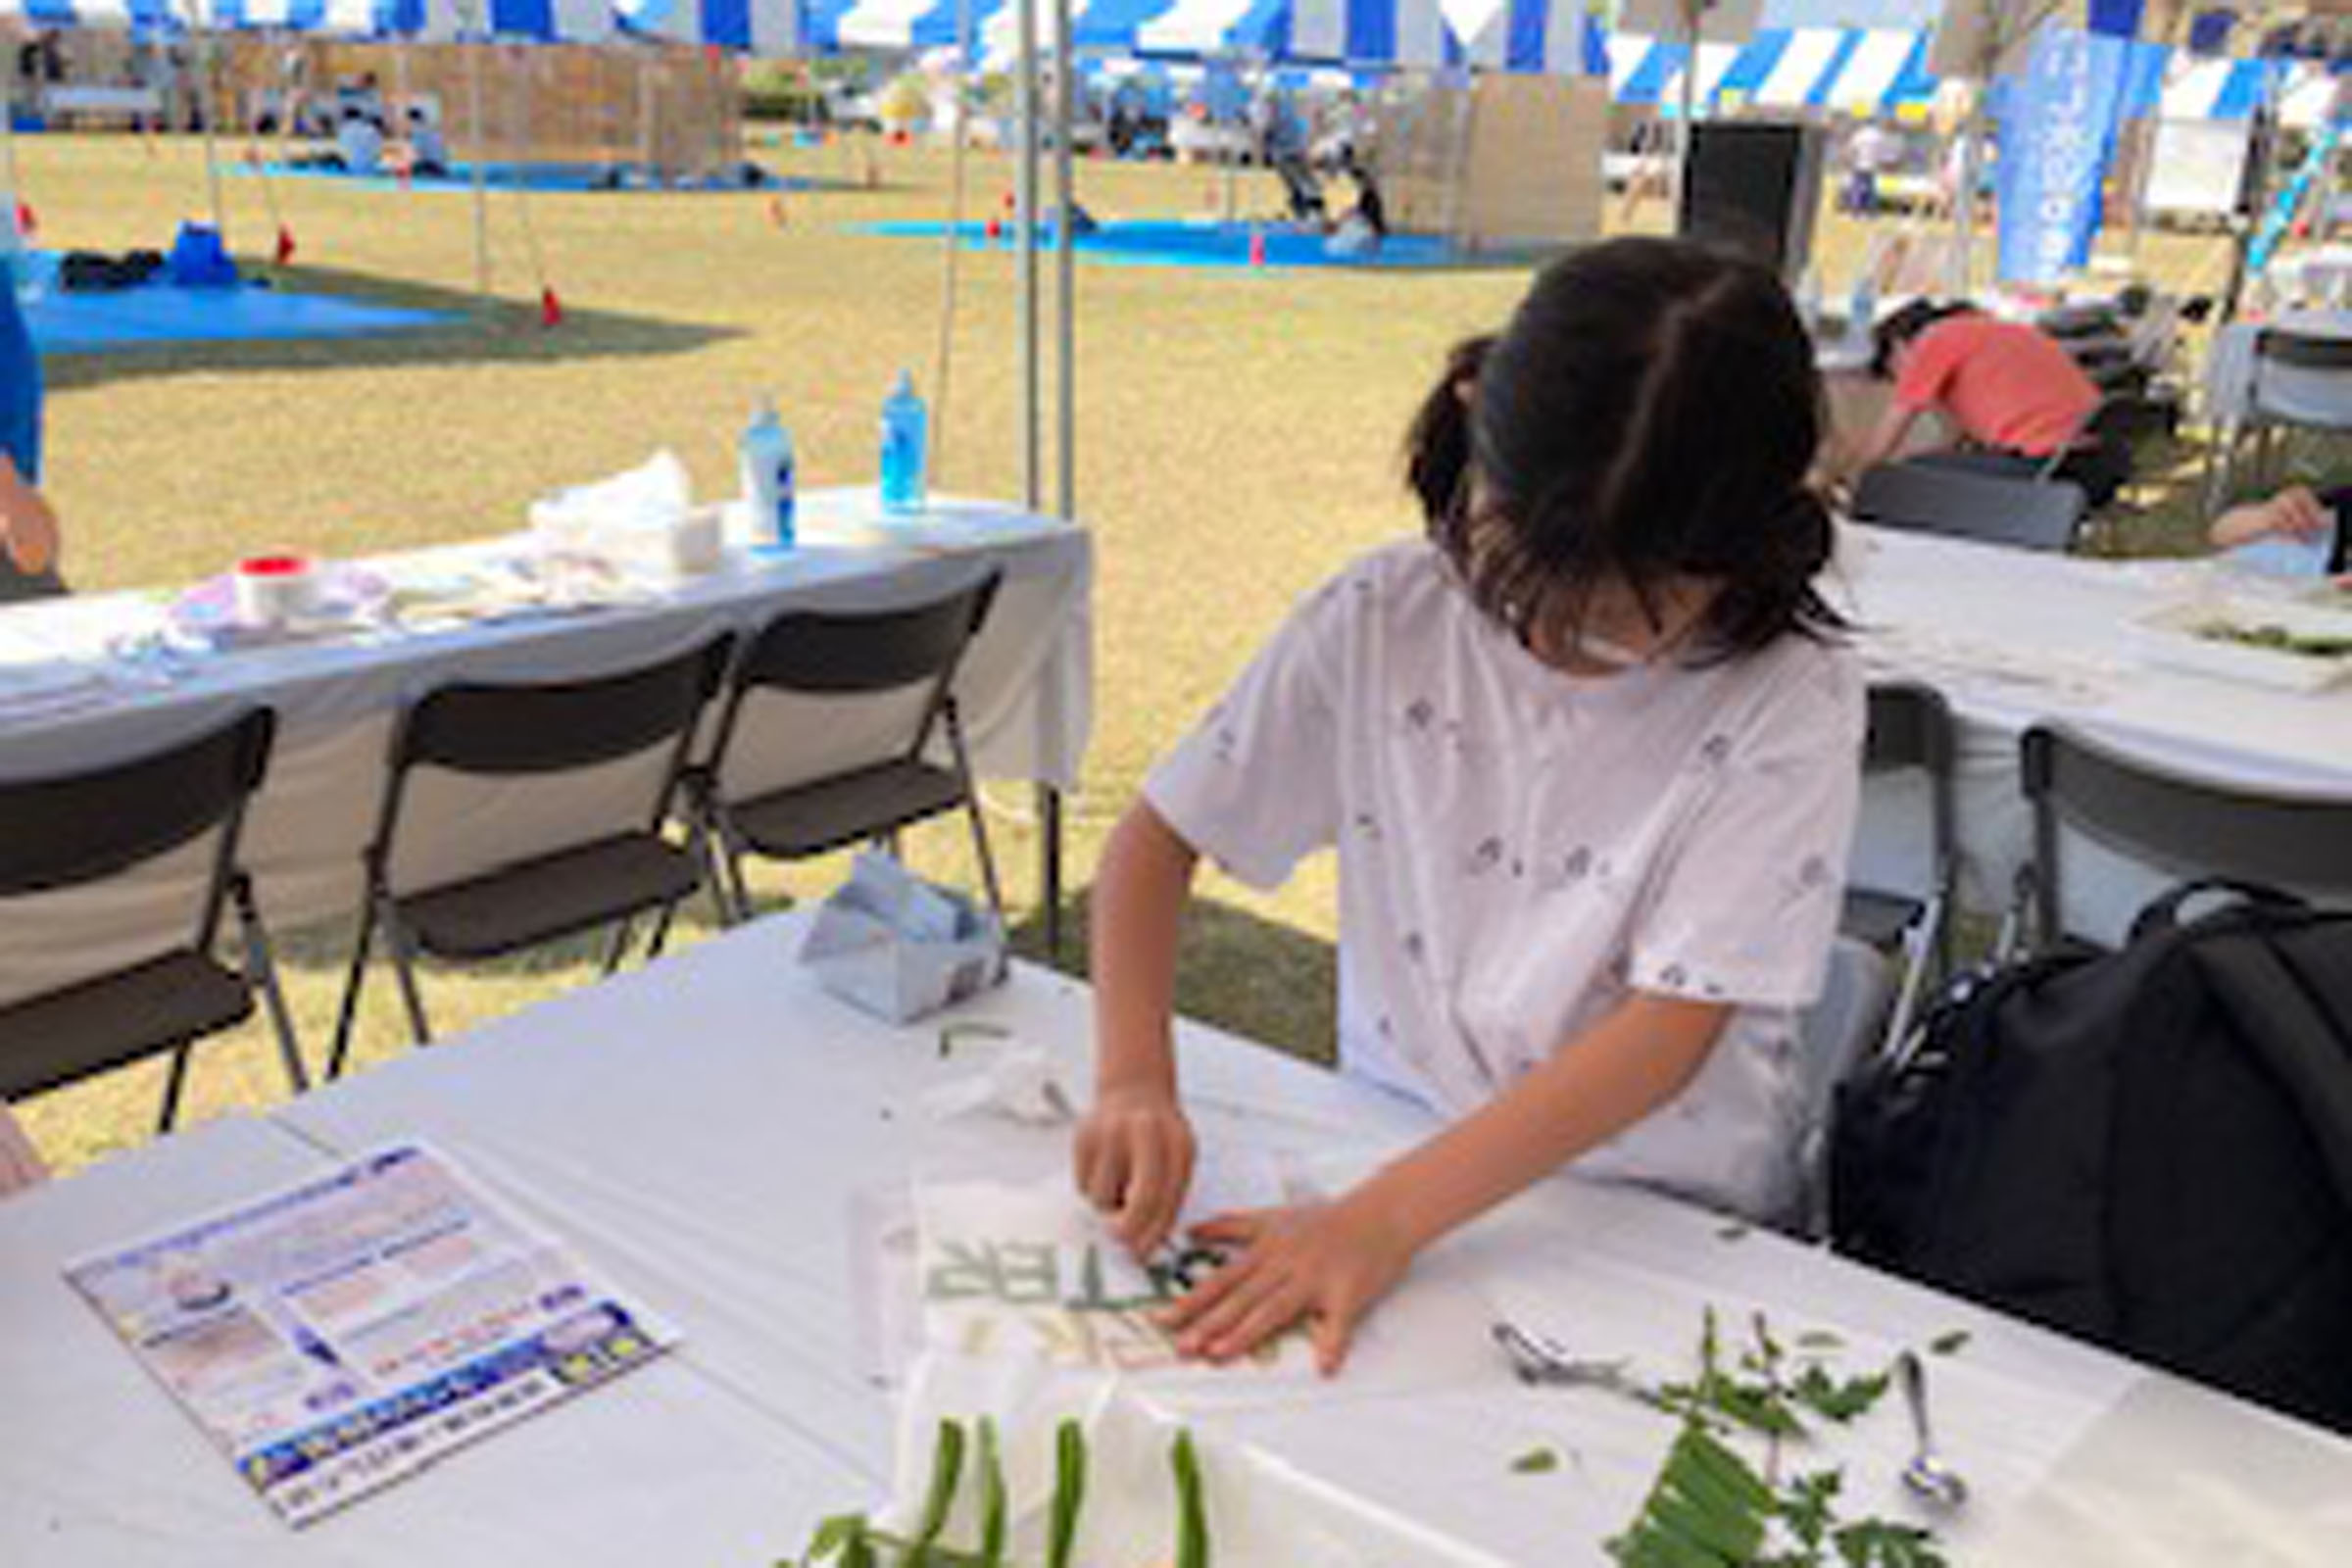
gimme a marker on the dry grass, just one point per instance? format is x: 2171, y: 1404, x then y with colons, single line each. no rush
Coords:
x: 1237, y: 440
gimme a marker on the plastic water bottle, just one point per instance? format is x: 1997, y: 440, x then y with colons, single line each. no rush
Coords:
x: 767, y: 479
x: 906, y: 447
x: 1862, y: 310
x: 1808, y: 300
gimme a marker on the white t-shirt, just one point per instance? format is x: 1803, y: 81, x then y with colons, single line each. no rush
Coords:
x: 1519, y: 848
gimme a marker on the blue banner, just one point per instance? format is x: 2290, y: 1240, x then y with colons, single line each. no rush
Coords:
x: 2057, y: 134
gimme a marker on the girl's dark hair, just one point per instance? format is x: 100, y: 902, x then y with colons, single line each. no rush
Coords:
x: 1651, y: 412
x: 1905, y: 324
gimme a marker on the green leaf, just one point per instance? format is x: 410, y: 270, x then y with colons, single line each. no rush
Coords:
x: 993, y: 1506
x: 1734, y: 1232
x: 832, y: 1535
x: 1806, y: 1504
x: 1069, y: 1493
x: 1192, y: 1508
x: 1837, y: 1400
x: 946, y: 1468
x: 1536, y: 1461
x: 1948, y: 1344
x: 1707, y: 1510
x: 1819, y: 1340
x: 1878, y: 1544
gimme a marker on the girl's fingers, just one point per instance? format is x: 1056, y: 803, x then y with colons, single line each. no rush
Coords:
x: 1102, y: 1172
x: 1212, y: 1328
x: 1203, y: 1298
x: 1159, y: 1209
x: 1142, y: 1197
x: 1273, y: 1313
x: 1330, y: 1330
x: 1239, y: 1227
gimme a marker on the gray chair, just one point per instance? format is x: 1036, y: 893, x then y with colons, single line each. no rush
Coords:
x: 1989, y: 507
x: 914, y: 651
x: 2301, y: 381
x: 2172, y: 827
x: 1835, y: 1037
x: 606, y: 879
x: 1911, y: 732
x: 76, y: 829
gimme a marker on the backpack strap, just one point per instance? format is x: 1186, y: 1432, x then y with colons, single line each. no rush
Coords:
x: 2279, y: 1011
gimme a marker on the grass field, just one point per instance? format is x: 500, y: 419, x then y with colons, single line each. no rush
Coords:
x: 1237, y: 441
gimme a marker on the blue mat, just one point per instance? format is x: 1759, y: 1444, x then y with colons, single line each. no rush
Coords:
x: 1164, y: 243
x: 158, y: 312
x: 553, y: 177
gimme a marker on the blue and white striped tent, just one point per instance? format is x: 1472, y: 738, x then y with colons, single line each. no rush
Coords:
x: 1866, y: 71
x: 765, y: 26
x: 740, y: 27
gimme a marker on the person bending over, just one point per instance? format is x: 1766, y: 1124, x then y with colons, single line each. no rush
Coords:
x: 1589, y: 753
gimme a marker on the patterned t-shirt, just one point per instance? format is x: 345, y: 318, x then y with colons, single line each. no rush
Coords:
x: 1520, y: 848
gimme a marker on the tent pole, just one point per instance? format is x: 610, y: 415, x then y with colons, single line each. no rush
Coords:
x: 208, y: 98
x: 8, y: 126
x: 1065, y: 303
x: 1691, y: 9
x: 480, y: 162
x: 1025, y: 215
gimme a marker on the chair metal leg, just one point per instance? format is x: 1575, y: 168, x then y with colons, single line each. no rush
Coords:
x: 662, y: 921
x: 261, y: 973
x: 396, y: 938
x: 347, y: 1015
x: 172, y: 1083
x: 619, y: 947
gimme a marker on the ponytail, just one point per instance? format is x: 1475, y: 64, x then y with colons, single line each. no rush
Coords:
x: 1437, y: 449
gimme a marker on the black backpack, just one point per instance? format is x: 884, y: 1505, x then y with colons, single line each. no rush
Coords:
x: 2151, y: 1149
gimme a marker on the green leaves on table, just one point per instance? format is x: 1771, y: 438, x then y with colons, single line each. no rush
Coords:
x: 1536, y: 1461
x: 1707, y: 1508
x: 851, y: 1540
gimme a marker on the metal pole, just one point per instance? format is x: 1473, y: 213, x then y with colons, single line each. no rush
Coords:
x: 8, y: 128
x: 481, y: 161
x: 1025, y: 217
x: 1691, y: 9
x: 1065, y: 384
x: 208, y: 98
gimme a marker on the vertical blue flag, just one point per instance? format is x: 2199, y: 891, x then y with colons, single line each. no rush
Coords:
x: 2057, y: 134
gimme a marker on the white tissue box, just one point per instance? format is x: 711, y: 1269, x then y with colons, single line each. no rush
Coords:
x: 893, y: 945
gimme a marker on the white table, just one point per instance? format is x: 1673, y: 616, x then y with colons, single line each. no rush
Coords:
x: 2013, y: 638
x: 1025, y: 688
x: 704, y: 1130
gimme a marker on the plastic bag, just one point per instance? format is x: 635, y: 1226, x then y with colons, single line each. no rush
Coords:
x: 893, y: 945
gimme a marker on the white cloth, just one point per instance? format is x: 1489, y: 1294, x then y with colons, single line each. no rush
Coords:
x: 1520, y: 849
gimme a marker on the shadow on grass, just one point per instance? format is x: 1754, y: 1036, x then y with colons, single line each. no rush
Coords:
x: 1240, y: 971
x: 500, y: 332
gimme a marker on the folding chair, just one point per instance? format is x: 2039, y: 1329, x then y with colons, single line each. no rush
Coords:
x: 1957, y: 503
x: 1911, y: 733
x: 2301, y: 381
x: 608, y: 877
x: 914, y: 651
x: 2167, y: 826
x: 76, y: 829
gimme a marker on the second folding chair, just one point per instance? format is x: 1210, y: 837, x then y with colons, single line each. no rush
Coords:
x: 911, y: 653
x: 610, y: 874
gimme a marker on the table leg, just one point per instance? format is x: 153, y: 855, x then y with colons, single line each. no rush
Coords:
x: 1048, y: 853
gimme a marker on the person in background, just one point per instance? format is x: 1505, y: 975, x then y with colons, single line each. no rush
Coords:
x: 28, y: 528
x: 1873, y: 150
x: 428, y: 153
x: 359, y: 142
x: 1590, y: 753
x: 2295, y: 533
x: 2019, y: 401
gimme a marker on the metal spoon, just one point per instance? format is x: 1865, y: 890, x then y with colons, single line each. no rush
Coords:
x: 1929, y: 1477
x: 1540, y: 1360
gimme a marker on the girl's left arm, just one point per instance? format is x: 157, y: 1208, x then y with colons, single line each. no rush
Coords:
x: 1330, y: 1262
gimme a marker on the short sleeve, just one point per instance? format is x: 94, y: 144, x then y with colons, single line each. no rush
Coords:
x: 1743, y: 905
x: 1927, y: 370
x: 1256, y: 786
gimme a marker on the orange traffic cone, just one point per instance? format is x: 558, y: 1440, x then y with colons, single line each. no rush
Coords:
x: 1257, y: 247
x: 551, y: 308
x: 285, y: 245
x: 29, y: 223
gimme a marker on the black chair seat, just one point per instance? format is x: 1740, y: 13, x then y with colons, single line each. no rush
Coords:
x: 1878, y: 918
x: 555, y: 896
x: 54, y: 1038
x: 812, y: 818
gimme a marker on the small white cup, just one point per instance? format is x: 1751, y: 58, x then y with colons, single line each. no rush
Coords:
x: 272, y: 590
x: 695, y: 542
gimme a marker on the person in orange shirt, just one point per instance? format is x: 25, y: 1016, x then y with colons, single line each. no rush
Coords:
x: 2020, y: 403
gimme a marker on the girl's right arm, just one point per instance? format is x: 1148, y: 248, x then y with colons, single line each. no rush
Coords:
x: 1134, y: 1150
x: 27, y: 527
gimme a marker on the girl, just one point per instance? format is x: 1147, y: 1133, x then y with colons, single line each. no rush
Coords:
x: 1590, y: 756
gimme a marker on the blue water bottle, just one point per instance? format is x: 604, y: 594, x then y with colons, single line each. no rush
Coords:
x: 1862, y: 311
x: 905, y: 444
x: 767, y: 479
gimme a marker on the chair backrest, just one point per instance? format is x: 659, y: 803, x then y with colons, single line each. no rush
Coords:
x: 860, y: 653
x: 71, y: 829
x: 2174, y: 825
x: 1989, y: 508
x: 2303, y: 377
x: 1911, y: 731
x: 518, y: 729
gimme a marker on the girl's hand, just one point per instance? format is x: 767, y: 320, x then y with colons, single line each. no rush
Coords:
x: 1133, y: 1159
x: 1324, y: 1263
x: 2296, y: 513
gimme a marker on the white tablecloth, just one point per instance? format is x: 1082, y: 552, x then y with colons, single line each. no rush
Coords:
x: 2229, y: 365
x: 1025, y: 689
x: 708, y: 1129
x: 2013, y: 638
